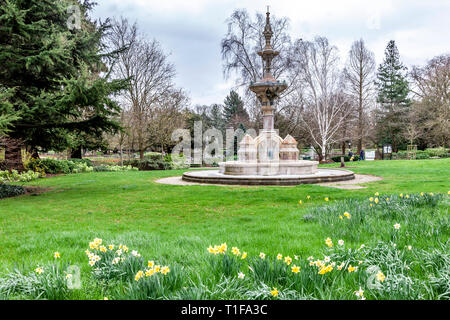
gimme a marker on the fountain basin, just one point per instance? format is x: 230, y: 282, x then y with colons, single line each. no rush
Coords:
x: 286, y: 167
x: 215, y: 177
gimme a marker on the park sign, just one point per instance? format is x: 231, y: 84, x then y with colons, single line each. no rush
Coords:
x: 370, y: 155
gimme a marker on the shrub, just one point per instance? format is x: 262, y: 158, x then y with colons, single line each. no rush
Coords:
x: 155, y: 161
x: 104, y: 168
x: 86, y: 161
x: 7, y: 191
x: 147, y: 165
x: 51, y: 166
x: 15, y: 176
x: 346, y: 158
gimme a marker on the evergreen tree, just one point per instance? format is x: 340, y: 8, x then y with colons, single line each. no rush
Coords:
x: 51, y: 77
x: 234, y: 113
x: 393, y: 90
x: 216, y: 117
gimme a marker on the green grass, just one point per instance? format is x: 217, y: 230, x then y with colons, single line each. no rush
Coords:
x: 177, y: 223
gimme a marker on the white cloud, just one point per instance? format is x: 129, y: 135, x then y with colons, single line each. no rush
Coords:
x: 192, y: 30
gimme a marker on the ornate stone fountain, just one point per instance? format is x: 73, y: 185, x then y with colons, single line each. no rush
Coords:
x: 268, y: 154
x: 268, y: 159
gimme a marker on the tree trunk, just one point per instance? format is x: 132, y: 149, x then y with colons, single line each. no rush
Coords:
x: 141, y: 154
x: 344, y: 146
x: 121, y: 155
x: 13, y: 154
x: 76, y: 153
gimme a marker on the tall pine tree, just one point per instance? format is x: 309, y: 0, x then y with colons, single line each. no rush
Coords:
x: 234, y: 113
x: 52, y: 82
x: 393, y: 90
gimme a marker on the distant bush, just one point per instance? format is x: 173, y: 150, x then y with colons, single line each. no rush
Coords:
x: 7, y: 191
x: 346, y: 158
x: 155, y: 161
x: 114, y: 168
x: 423, y: 154
x: 86, y: 161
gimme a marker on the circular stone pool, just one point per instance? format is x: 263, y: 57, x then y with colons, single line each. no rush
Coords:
x: 215, y: 177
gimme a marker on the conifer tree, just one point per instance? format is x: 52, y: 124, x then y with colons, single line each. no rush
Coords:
x: 393, y: 90
x: 234, y: 113
x: 53, y: 77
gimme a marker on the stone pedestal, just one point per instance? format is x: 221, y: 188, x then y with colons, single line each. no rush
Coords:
x: 268, y: 155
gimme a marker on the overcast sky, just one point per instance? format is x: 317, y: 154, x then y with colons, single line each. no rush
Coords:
x: 191, y: 31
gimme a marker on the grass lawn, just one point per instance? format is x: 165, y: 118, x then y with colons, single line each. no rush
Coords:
x: 177, y: 223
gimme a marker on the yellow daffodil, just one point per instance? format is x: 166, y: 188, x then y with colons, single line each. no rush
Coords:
x: 376, y: 194
x: 139, y: 275
x: 241, y: 275
x: 295, y: 269
x: 39, y: 270
x: 165, y: 270
x: 235, y: 251
x: 309, y: 197
x: 279, y: 256
x: 371, y: 199
x: 401, y: 195
x: 376, y: 200
x: 380, y: 276
x: 407, y: 196
x: 157, y: 269
x: 111, y: 247
x: 397, y: 226
x: 244, y: 255
x: 150, y: 264
x: 341, y: 217
x: 422, y: 193
x: 56, y: 255
x: 262, y: 255
x: 103, y: 249
x: 223, y: 248
x: 347, y: 215
x: 326, y: 199
x: 288, y: 260
x: 351, y: 269
x: 300, y: 202
x: 341, y: 242
x: 274, y: 292
x: 359, y: 293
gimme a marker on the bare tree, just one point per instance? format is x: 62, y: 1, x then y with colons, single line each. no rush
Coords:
x: 245, y: 38
x: 169, y: 114
x: 360, y: 75
x: 431, y: 88
x: 150, y: 73
x: 240, y: 48
x: 324, y: 102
